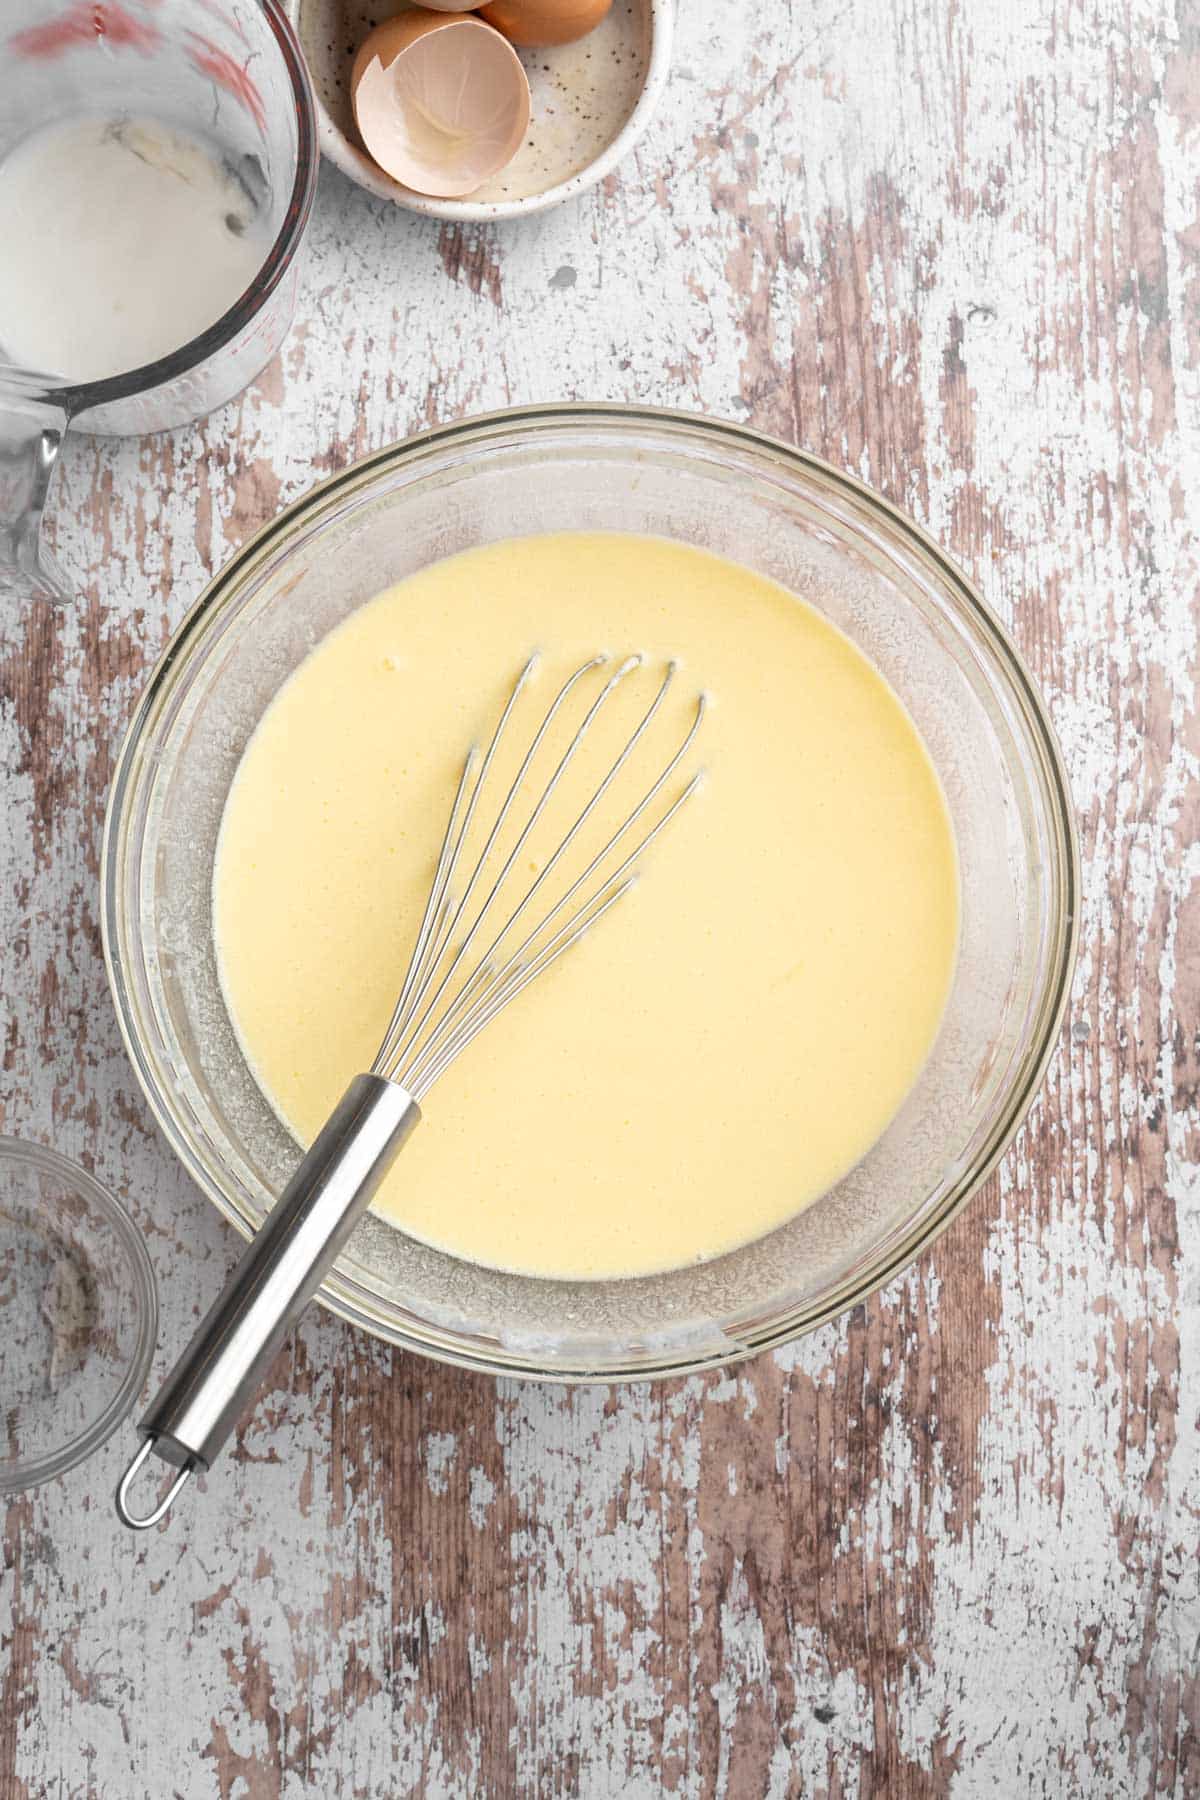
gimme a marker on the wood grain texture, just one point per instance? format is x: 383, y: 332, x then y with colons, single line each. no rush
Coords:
x: 948, y: 1545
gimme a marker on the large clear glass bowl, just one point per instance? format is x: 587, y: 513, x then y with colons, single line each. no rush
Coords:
x: 828, y: 539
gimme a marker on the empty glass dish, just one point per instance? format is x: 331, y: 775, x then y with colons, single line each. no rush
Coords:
x: 78, y: 1314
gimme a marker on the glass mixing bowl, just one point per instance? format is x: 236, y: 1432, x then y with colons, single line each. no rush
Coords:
x: 729, y: 490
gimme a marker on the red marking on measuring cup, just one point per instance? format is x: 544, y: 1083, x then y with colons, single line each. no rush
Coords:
x: 85, y: 23
x: 221, y: 68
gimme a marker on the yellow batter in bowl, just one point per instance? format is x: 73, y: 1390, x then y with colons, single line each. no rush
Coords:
x: 736, y: 1033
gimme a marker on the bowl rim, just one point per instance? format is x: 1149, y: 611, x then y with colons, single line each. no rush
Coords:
x: 358, y: 167
x: 1061, y: 952
x: 17, y: 1477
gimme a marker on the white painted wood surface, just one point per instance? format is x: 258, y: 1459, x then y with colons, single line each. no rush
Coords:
x: 949, y: 1545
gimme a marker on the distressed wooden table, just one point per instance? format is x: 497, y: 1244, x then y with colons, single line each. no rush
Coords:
x: 948, y: 1545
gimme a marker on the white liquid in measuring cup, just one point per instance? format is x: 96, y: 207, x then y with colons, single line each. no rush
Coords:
x: 120, y: 241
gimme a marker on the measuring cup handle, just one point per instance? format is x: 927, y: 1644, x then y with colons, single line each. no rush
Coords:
x: 33, y: 418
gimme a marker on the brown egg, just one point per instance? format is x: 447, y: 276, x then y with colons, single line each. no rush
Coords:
x: 440, y: 99
x: 532, y: 23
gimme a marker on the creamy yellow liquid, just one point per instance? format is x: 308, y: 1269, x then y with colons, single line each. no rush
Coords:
x: 732, y: 1037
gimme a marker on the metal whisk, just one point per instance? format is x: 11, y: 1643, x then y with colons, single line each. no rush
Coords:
x: 486, y: 933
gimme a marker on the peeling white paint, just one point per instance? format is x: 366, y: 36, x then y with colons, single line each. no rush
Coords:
x: 439, y: 1449
x: 482, y: 1495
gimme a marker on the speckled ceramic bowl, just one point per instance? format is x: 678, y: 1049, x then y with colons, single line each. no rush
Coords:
x: 591, y: 102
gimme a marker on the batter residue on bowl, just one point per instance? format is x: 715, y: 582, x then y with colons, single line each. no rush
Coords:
x: 735, y: 1034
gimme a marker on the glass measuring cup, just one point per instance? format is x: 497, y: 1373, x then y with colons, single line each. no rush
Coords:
x: 228, y: 72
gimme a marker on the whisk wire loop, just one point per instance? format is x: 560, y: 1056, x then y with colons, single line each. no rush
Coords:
x: 450, y: 995
x: 410, y: 1028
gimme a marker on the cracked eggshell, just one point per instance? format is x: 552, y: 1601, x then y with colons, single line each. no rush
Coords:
x: 441, y: 101
x: 591, y: 102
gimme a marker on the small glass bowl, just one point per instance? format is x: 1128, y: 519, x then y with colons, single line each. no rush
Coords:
x: 78, y: 1314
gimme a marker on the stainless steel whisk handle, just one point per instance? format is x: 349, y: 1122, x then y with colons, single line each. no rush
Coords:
x: 280, y: 1271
